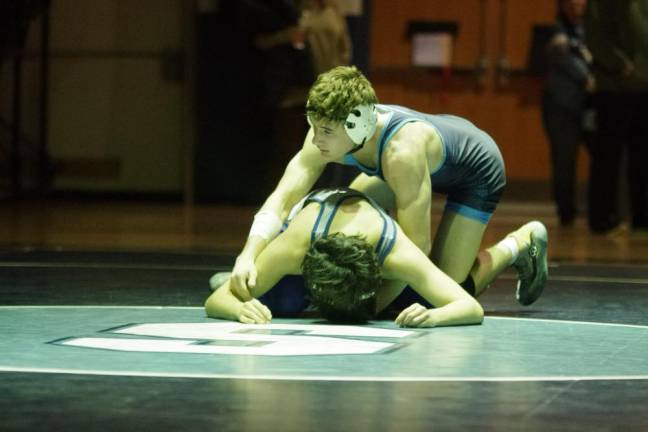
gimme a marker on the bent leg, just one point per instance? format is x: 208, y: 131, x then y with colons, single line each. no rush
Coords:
x: 456, y: 244
x: 491, y: 262
x: 456, y: 251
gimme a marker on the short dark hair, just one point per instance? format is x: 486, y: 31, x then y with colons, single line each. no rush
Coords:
x: 342, y: 275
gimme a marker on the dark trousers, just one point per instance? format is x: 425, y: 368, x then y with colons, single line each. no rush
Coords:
x: 622, y: 126
x: 564, y: 129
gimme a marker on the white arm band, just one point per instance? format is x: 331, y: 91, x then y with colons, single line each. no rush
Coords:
x: 266, y: 225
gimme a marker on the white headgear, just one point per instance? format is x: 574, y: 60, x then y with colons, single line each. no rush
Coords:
x: 360, y: 124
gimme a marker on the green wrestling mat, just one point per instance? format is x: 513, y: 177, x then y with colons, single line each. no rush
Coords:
x: 182, y: 342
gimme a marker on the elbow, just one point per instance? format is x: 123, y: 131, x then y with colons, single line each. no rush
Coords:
x: 472, y: 312
x: 213, y: 308
x: 477, y: 313
x: 218, y: 307
x: 208, y: 309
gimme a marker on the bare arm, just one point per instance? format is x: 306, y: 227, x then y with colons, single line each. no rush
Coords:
x: 224, y: 304
x: 388, y: 292
x: 299, y: 177
x: 282, y: 256
x: 407, y: 173
x: 453, y: 305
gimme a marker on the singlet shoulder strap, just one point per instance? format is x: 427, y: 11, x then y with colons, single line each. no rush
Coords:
x: 388, y: 235
x: 331, y: 199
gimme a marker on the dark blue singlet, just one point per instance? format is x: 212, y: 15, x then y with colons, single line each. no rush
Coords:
x: 471, y: 173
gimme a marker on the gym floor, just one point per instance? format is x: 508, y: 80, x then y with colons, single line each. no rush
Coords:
x: 103, y: 329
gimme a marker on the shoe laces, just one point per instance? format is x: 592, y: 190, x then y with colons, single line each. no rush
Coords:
x: 533, y: 250
x: 526, y: 262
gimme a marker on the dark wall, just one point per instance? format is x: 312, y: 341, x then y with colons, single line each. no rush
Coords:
x: 226, y: 84
x: 244, y: 137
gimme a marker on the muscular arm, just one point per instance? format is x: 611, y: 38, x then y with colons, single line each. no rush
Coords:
x: 453, y: 306
x: 300, y: 175
x: 298, y: 178
x: 406, y: 170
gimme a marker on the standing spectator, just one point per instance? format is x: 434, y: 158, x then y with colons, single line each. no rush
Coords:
x: 564, y: 102
x: 327, y: 34
x: 617, y: 35
x: 280, y: 43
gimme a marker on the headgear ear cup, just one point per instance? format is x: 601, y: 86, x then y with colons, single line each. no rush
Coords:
x: 360, y: 124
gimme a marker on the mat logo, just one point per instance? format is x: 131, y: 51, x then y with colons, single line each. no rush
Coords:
x: 246, y: 339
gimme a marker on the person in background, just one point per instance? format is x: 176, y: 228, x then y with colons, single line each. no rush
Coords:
x: 280, y: 43
x: 617, y: 35
x: 569, y: 83
x: 327, y: 34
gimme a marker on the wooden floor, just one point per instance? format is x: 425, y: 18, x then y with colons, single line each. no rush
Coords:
x: 112, y: 225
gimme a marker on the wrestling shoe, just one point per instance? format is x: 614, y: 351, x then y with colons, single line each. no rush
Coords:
x: 218, y: 279
x: 531, y: 265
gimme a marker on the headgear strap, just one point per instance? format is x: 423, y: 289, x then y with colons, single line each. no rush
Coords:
x: 360, y: 124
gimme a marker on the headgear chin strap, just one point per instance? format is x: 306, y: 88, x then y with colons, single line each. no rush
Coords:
x: 360, y: 124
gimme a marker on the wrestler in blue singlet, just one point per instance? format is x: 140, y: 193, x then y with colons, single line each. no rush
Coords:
x: 471, y: 173
x: 288, y: 296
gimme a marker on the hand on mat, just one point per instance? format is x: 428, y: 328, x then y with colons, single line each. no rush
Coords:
x: 254, y: 312
x: 243, y: 278
x: 415, y: 315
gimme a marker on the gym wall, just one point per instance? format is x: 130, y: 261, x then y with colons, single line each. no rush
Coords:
x: 115, y: 106
x: 505, y: 103
x: 119, y: 98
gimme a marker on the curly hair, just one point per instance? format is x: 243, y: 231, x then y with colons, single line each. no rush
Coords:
x: 336, y: 92
x: 342, y: 275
